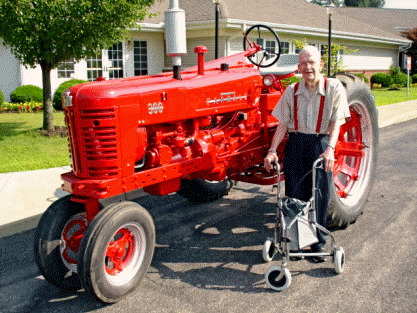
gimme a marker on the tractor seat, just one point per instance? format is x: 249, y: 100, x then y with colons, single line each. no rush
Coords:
x: 286, y: 64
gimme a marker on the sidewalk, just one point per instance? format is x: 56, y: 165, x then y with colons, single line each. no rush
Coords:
x: 24, y: 196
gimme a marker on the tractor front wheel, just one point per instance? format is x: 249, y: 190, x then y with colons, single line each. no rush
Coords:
x: 57, y: 239
x: 116, y: 251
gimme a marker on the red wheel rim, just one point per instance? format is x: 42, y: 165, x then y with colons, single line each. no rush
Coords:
x: 124, y: 254
x: 119, y: 252
x: 354, y: 155
x: 71, y: 238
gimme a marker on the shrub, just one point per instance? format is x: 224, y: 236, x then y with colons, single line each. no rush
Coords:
x: 383, y: 79
x: 394, y: 87
x: 27, y: 93
x: 365, y: 79
x: 1, y: 98
x: 28, y: 107
x: 290, y: 80
x: 57, y: 100
x: 398, y: 78
x: 414, y: 78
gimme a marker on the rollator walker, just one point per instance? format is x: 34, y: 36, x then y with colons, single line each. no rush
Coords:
x: 296, y: 228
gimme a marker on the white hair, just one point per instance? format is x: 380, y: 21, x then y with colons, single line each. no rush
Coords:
x: 310, y: 51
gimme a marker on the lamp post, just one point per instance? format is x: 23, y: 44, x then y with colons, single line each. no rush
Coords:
x: 216, y: 43
x: 329, y: 47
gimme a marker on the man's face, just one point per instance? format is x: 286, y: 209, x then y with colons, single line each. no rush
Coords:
x: 310, y: 68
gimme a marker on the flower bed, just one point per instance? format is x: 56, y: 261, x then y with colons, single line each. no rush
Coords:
x: 28, y: 107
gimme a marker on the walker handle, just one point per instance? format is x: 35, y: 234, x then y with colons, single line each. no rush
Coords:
x: 317, y: 164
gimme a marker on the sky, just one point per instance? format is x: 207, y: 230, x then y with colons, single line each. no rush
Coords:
x: 400, y: 4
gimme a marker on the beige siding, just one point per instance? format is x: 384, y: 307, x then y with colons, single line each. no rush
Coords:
x: 370, y: 59
x: 10, y: 72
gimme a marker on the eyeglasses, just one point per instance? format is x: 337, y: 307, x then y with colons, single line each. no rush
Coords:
x: 311, y: 63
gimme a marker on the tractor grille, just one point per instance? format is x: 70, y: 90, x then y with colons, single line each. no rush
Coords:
x: 94, y: 153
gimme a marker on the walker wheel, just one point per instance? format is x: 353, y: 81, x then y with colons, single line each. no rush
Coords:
x: 278, y: 278
x: 269, y: 250
x: 339, y: 260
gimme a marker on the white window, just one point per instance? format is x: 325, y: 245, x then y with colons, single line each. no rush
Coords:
x: 270, y: 46
x: 115, y: 54
x: 66, y: 69
x: 285, y: 47
x: 140, y: 55
x: 323, y: 49
x: 94, y: 67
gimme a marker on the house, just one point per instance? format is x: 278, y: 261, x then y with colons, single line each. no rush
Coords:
x: 377, y: 40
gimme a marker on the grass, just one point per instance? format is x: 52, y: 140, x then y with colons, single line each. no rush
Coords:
x: 384, y: 96
x: 24, y: 148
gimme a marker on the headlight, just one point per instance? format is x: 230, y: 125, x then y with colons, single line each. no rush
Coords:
x: 66, y: 99
x: 269, y: 80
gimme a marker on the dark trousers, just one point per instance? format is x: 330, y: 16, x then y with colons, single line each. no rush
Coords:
x: 301, y: 150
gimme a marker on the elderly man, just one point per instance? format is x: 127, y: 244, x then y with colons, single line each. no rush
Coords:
x: 312, y: 112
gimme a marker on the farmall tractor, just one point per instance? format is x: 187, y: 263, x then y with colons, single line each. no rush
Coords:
x: 191, y: 131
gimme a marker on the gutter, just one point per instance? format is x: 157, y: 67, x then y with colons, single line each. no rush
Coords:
x: 281, y: 28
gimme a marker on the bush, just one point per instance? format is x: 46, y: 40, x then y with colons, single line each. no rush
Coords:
x: 1, y: 98
x: 398, y: 77
x: 414, y: 78
x: 291, y: 80
x: 57, y: 99
x: 28, y: 107
x: 383, y: 79
x: 27, y: 93
x: 365, y: 79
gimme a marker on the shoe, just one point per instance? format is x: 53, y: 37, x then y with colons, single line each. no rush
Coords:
x: 320, y: 258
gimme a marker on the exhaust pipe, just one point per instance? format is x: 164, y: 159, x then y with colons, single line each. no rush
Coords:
x: 175, y: 35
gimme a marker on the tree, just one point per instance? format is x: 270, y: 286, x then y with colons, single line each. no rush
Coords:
x: 412, y: 51
x: 336, y: 65
x: 365, y: 3
x: 47, y: 32
x: 336, y: 3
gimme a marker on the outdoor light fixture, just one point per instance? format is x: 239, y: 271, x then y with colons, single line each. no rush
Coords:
x: 216, y: 43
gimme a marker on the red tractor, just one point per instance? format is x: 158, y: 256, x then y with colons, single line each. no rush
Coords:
x: 193, y: 132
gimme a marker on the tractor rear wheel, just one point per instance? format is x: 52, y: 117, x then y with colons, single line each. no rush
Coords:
x: 202, y: 191
x: 356, y: 154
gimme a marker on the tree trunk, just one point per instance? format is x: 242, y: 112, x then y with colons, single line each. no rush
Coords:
x: 48, y: 118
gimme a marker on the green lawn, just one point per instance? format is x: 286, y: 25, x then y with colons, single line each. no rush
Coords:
x: 23, y: 148
x: 385, y: 96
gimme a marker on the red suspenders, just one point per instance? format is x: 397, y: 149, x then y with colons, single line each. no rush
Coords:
x: 320, y: 117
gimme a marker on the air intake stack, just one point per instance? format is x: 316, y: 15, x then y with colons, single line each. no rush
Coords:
x: 176, y: 44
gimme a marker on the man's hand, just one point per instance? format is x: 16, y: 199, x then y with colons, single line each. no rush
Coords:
x: 270, y: 160
x: 328, y: 157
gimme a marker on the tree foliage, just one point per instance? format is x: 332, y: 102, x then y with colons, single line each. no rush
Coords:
x: 336, y: 3
x: 47, y: 32
x: 365, y: 3
x: 336, y: 64
x: 412, y: 51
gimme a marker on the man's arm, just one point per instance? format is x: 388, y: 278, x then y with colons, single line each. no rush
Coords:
x: 328, y: 155
x: 276, y: 140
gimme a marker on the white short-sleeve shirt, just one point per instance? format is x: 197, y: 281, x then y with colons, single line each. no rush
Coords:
x: 335, y: 106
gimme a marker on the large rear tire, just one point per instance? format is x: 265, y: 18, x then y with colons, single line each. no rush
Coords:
x: 116, y: 251
x: 203, y: 191
x: 356, y: 155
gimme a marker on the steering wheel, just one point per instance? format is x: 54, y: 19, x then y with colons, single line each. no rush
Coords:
x: 270, y: 50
